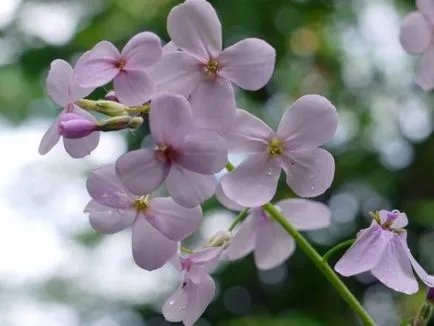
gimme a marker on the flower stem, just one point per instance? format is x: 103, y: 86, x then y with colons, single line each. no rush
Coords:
x: 337, y: 248
x: 321, y: 264
x: 243, y: 214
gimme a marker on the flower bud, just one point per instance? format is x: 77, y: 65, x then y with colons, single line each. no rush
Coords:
x: 111, y: 96
x: 430, y: 295
x: 72, y: 125
x: 120, y: 123
x: 220, y: 239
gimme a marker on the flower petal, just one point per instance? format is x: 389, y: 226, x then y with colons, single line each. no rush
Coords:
x: 427, y: 8
x: 394, y: 268
x: 189, y: 188
x: 365, y: 253
x: 249, y: 134
x: 176, y: 72
x: 273, y: 245
x: 140, y: 171
x: 305, y: 214
x: 243, y: 242
x: 254, y: 182
x: 151, y: 249
x: 104, y: 187
x: 203, y: 151
x: 173, y: 220
x: 50, y: 138
x: 225, y: 200
x: 98, y: 68
x: 400, y: 222
x: 309, y: 173
x: 205, y: 256
x: 248, y: 63
x: 143, y: 49
x: 76, y: 92
x: 310, y: 122
x: 59, y: 81
x: 415, y: 34
x: 170, y: 119
x: 199, y: 297
x: 195, y: 27
x: 425, y: 76
x: 109, y: 220
x: 175, y: 307
x: 133, y: 87
x: 213, y: 104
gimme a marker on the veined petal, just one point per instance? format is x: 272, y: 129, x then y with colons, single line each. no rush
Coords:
x: 194, y: 27
x: 213, y: 104
x: 244, y: 240
x: 203, y: 151
x: 309, y: 173
x: 143, y: 49
x: 140, y: 171
x: 206, y: 255
x: 189, y: 188
x: 225, y: 200
x: 416, y: 33
x: 310, y: 122
x: 59, y: 81
x: 305, y: 214
x: 50, y: 138
x: 173, y: 220
x: 248, y: 63
x: 76, y: 92
x: 425, y: 76
x: 249, y: 134
x: 104, y: 187
x: 175, y: 307
x: 427, y: 8
x: 273, y: 245
x: 109, y: 220
x: 151, y: 249
x: 254, y: 182
x: 394, y: 268
x: 199, y: 297
x: 170, y: 119
x: 133, y: 87
x: 365, y: 253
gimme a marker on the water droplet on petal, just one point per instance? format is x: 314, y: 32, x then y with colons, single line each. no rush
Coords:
x: 313, y: 188
x: 269, y: 172
x: 311, y: 176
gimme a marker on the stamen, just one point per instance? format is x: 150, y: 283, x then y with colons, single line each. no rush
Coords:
x: 275, y: 147
x: 165, y: 153
x: 141, y: 203
x: 211, y: 68
x: 121, y: 64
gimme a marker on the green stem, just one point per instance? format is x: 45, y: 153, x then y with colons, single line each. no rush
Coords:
x: 337, y: 248
x: 321, y: 264
x: 243, y: 214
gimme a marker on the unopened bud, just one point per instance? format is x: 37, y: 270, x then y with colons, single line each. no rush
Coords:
x: 111, y: 96
x: 430, y: 296
x: 220, y: 239
x: 72, y: 125
x: 111, y: 108
x: 135, y: 122
x: 120, y: 123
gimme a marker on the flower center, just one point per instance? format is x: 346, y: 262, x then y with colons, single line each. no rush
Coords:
x: 391, y: 217
x: 141, y: 203
x: 165, y: 153
x: 275, y: 147
x: 185, y: 264
x: 121, y: 64
x: 211, y: 68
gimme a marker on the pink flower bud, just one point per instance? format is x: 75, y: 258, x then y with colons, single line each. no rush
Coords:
x: 111, y: 96
x: 73, y: 126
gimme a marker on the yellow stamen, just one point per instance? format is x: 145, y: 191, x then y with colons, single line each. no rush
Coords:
x: 211, y: 68
x: 141, y: 203
x: 275, y: 147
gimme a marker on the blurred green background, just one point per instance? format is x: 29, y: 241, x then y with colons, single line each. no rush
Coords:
x: 55, y: 270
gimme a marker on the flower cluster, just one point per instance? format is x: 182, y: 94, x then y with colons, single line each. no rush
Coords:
x: 185, y: 90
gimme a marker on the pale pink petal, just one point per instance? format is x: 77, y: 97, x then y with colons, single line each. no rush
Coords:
x: 206, y: 255
x: 248, y: 63
x: 400, y: 220
x: 170, y: 119
x: 143, y: 49
x: 199, y: 297
x: 416, y: 33
x: 189, y: 188
x: 98, y: 68
x: 170, y: 47
x: 133, y: 87
x: 244, y: 240
x: 196, y: 273
x: 176, y: 261
x: 394, y: 268
x: 203, y: 151
x: 425, y: 76
x: 50, y: 138
x: 151, y: 249
x: 140, y: 171
x: 225, y: 201
x: 59, y: 81
x: 309, y: 173
x: 76, y: 92
x: 365, y: 253
x: 273, y: 245
x: 249, y: 134
x: 175, y: 307
x: 305, y: 214
x: 173, y: 220
x: 213, y: 104
x: 194, y: 27
x: 104, y: 187
x: 109, y: 220
x: 176, y: 72
x: 427, y: 8
x: 254, y: 182
x: 310, y: 122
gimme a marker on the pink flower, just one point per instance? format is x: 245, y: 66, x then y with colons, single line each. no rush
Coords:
x: 132, y: 84
x: 157, y: 223
x: 63, y: 89
x: 72, y: 125
x: 382, y: 249
x: 417, y: 37
x: 308, y: 123
x: 185, y: 158
x: 269, y: 242
x: 197, y: 288
x: 202, y: 70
